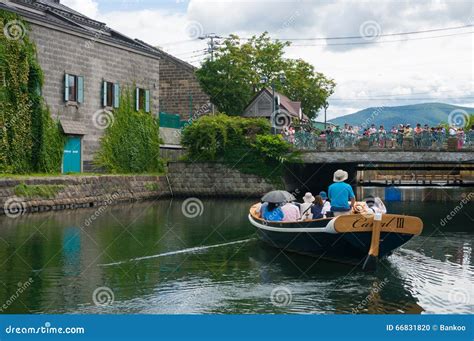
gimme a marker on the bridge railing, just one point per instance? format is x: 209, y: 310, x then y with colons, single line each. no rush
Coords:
x: 304, y: 140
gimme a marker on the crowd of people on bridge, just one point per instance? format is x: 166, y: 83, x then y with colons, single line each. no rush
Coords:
x: 339, y: 200
x: 422, y: 135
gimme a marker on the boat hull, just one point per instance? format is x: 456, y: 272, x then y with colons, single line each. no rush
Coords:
x: 319, y: 239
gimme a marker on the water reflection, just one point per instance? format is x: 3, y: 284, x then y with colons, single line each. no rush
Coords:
x: 162, y: 266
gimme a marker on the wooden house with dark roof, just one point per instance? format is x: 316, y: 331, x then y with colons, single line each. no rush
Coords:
x: 261, y: 106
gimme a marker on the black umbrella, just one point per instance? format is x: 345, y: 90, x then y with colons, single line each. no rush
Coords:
x: 278, y: 197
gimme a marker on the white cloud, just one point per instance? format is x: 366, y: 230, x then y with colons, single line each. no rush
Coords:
x: 439, y: 68
x: 89, y: 8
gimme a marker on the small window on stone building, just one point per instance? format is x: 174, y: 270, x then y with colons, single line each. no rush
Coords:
x: 142, y: 99
x: 73, y: 88
x: 110, y: 94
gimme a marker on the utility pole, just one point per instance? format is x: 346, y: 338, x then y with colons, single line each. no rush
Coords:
x: 326, y: 106
x: 211, y: 47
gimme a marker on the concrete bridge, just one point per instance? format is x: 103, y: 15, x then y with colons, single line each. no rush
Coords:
x: 387, y: 156
x: 317, y: 167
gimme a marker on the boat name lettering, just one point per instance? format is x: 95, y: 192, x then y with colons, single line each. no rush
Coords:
x: 363, y: 222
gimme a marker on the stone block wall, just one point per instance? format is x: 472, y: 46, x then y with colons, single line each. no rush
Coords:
x: 81, y: 191
x: 214, y: 180
x: 180, y: 92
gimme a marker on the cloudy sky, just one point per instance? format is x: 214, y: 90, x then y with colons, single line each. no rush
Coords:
x: 377, y: 67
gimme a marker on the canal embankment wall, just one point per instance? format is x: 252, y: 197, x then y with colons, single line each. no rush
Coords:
x: 39, y: 194
x: 214, y: 180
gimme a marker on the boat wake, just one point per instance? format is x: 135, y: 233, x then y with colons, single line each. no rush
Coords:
x: 196, y: 249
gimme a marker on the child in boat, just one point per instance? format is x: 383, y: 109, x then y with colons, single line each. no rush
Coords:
x: 272, y: 212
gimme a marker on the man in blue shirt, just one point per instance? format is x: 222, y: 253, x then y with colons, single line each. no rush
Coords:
x: 340, y: 193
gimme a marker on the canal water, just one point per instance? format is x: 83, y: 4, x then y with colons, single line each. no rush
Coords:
x: 180, y: 257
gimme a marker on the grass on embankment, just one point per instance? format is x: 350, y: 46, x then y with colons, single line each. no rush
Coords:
x: 37, y: 191
x: 44, y: 175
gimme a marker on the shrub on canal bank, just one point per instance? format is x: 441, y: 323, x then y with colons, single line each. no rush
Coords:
x: 244, y: 143
x: 30, y: 140
x: 131, y: 142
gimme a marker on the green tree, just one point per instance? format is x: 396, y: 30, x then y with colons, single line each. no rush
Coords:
x: 235, y: 75
x: 242, y: 143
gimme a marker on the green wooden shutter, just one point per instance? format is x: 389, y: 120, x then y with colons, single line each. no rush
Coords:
x: 66, y: 87
x: 147, y: 100
x: 80, y: 89
x: 116, y: 95
x: 104, y: 94
x: 137, y: 99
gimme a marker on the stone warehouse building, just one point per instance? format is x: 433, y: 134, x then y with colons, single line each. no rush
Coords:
x: 87, y: 65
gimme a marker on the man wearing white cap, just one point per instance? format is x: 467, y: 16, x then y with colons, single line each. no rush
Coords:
x: 340, y: 193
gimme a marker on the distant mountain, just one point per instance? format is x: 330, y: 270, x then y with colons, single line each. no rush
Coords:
x: 424, y: 113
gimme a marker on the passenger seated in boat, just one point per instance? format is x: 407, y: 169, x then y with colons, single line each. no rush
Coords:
x: 272, y: 212
x: 340, y: 193
x: 259, y: 207
x: 375, y: 204
x: 305, y: 207
x: 326, y: 203
x: 291, y: 212
x: 317, y: 207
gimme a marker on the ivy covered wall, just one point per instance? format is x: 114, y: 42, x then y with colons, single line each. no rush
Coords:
x: 30, y: 140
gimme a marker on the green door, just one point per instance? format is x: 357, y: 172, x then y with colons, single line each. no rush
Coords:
x: 72, y: 155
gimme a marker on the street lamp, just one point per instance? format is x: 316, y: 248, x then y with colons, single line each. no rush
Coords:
x: 326, y: 106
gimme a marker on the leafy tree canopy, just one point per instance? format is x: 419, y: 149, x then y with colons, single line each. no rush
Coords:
x: 236, y: 73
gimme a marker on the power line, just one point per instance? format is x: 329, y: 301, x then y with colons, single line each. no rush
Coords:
x: 400, y: 99
x: 188, y: 52
x: 381, y: 42
x: 330, y: 38
x: 195, y: 55
x: 178, y: 42
x: 380, y: 35
x: 410, y: 94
